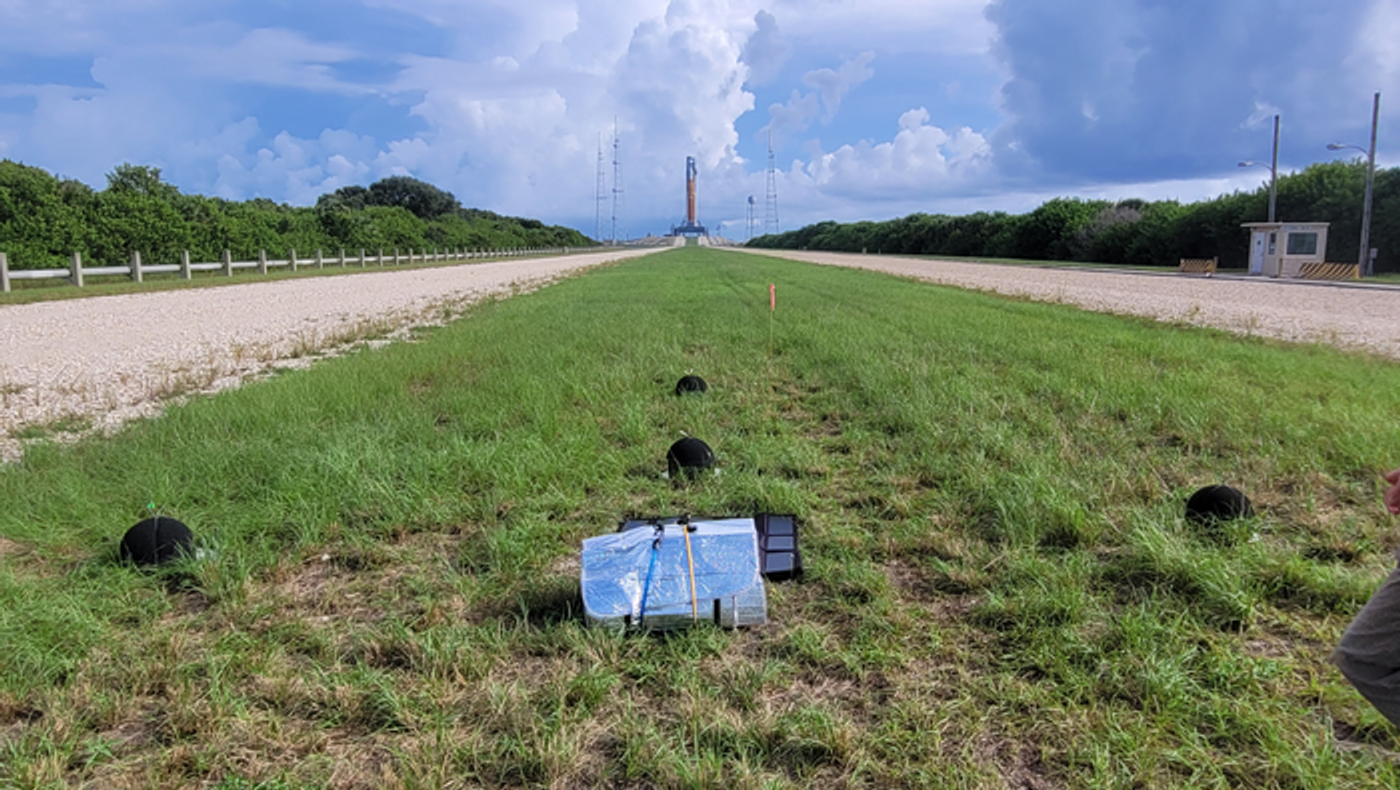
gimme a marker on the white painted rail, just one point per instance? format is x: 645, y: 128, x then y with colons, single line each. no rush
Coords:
x: 137, y: 270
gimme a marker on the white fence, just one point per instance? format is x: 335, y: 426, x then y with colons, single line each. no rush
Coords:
x: 136, y: 270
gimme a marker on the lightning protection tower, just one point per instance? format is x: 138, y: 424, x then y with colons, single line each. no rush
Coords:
x: 600, y: 197
x: 618, y: 203
x: 770, y: 212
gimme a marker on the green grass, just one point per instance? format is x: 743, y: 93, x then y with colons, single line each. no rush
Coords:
x: 1001, y: 590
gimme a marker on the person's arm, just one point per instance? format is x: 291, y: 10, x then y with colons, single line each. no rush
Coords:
x: 1392, y: 494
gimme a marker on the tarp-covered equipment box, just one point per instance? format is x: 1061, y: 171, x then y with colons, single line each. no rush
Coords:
x: 672, y: 573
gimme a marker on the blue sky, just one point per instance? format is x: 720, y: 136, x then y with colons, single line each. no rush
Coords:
x: 876, y: 108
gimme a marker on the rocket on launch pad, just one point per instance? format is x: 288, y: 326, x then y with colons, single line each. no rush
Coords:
x: 691, y: 226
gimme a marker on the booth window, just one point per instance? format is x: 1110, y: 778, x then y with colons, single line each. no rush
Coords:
x: 1302, y: 244
x: 1273, y: 238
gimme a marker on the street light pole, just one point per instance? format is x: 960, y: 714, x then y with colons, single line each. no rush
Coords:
x: 1363, y: 262
x: 1273, y: 173
x: 1370, y: 182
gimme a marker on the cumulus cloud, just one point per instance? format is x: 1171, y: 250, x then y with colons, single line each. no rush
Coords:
x: 509, y: 103
x: 289, y: 169
x: 831, y: 86
x: 521, y: 133
x: 920, y: 160
x: 682, y: 77
x: 766, y: 51
x: 793, y: 116
x: 834, y: 85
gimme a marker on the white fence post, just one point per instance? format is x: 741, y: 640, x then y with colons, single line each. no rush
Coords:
x: 381, y: 257
x: 293, y: 259
x: 228, y: 263
x: 184, y: 264
x: 136, y: 266
x: 75, y: 270
x: 362, y: 257
x: 396, y: 256
x: 318, y: 258
x: 262, y: 261
x: 4, y: 273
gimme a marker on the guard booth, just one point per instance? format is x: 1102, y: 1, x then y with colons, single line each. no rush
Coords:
x: 1279, y: 249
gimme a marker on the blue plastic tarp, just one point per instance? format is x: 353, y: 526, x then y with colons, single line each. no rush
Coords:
x: 649, y: 566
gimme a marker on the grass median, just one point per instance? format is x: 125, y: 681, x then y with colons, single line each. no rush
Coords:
x: 1001, y: 590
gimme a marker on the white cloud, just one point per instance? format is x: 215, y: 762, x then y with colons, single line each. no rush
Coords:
x: 793, y: 116
x: 281, y: 58
x: 510, y: 109
x: 1262, y: 117
x: 834, y: 85
x: 766, y: 51
x: 920, y: 160
x: 290, y: 169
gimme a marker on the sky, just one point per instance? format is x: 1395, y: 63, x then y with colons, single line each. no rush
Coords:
x: 874, y: 109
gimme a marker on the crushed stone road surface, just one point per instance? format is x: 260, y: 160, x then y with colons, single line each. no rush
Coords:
x: 1357, y: 316
x: 103, y: 360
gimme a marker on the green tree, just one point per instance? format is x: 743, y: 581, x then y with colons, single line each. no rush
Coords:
x: 1050, y: 231
x: 1385, y: 220
x: 129, y: 221
x: 142, y: 180
x: 424, y: 200
x: 43, y: 220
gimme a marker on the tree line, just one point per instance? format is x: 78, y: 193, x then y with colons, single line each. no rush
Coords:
x: 45, y: 219
x: 1136, y: 232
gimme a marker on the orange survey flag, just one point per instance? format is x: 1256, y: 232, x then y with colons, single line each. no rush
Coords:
x: 772, y: 296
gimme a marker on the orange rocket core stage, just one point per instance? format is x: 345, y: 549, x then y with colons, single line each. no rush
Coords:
x: 690, y: 173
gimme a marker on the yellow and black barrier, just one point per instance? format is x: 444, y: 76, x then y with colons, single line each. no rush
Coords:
x: 1330, y: 271
x: 1198, y: 265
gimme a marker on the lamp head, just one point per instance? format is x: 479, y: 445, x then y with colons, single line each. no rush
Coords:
x: 1335, y: 146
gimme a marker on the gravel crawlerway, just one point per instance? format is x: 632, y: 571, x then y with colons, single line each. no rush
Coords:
x: 95, y: 363
x: 1351, y: 316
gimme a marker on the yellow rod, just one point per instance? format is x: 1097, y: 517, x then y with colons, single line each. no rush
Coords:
x: 690, y: 558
